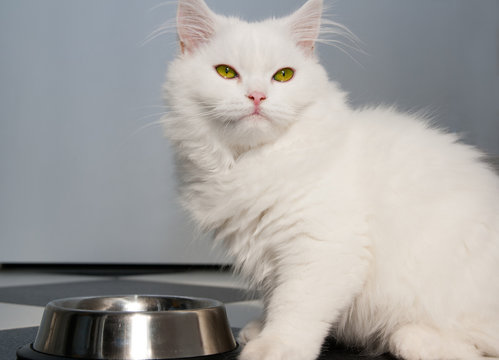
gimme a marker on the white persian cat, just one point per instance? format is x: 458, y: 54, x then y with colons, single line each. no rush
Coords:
x: 369, y: 225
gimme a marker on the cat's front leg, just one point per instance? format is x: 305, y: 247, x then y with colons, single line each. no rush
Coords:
x: 312, y: 286
x: 250, y: 331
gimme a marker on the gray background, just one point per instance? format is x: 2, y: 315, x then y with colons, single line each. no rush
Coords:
x: 84, y: 178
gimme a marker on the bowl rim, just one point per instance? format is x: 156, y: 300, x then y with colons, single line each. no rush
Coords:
x: 58, y: 304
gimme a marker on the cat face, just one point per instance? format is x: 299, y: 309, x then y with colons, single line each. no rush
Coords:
x: 247, y: 82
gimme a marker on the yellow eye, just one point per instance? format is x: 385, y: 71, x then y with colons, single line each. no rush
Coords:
x: 226, y: 72
x: 284, y: 75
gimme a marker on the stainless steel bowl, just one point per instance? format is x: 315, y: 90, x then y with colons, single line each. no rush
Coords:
x: 134, y: 327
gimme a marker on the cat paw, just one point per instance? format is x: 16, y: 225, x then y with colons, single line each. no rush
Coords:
x: 273, y: 348
x: 250, y: 332
x: 418, y: 342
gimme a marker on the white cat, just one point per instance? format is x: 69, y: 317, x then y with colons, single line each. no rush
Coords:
x: 368, y: 225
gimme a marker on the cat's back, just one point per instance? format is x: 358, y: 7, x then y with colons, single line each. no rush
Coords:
x: 408, y: 148
x: 427, y: 192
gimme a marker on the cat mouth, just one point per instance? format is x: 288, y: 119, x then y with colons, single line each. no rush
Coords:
x: 256, y: 115
x: 251, y: 120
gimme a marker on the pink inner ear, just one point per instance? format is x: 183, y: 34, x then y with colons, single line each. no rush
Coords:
x: 306, y: 37
x: 306, y: 23
x: 195, y: 24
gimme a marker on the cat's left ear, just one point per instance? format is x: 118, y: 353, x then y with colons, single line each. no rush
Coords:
x: 195, y: 24
x: 305, y: 25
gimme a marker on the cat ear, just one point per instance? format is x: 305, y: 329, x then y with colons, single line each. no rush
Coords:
x: 195, y: 24
x: 305, y: 25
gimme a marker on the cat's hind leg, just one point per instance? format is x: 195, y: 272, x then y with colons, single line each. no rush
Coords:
x: 421, y: 342
x: 485, y: 334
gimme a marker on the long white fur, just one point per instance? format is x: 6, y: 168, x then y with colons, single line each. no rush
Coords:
x: 371, y: 225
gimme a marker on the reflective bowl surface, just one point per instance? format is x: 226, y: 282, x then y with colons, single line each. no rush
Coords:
x: 134, y: 327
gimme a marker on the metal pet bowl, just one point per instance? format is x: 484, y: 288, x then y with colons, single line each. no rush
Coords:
x: 132, y: 327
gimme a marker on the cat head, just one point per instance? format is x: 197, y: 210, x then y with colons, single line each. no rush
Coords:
x: 243, y: 83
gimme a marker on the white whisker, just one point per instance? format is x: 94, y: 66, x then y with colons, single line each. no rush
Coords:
x: 168, y: 27
x: 335, y: 34
x: 161, y: 4
x: 147, y: 126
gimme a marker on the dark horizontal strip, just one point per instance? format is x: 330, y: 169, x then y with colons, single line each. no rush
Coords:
x: 110, y: 269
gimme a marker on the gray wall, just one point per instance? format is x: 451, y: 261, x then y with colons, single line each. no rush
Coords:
x: 82, y: 177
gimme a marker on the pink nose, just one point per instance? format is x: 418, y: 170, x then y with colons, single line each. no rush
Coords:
x: 257, y: 97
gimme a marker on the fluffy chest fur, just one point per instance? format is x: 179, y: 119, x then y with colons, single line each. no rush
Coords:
x: 257, y: 204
